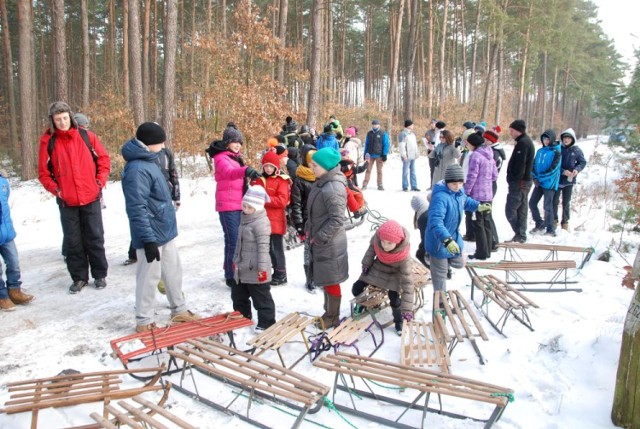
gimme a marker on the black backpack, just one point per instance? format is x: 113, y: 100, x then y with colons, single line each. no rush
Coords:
x: 85, y: 138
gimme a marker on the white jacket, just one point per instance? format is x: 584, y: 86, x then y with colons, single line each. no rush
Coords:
x: 407, y: 144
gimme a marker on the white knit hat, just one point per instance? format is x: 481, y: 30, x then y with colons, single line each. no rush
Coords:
x: 256, y: 196
x: 419, y: 204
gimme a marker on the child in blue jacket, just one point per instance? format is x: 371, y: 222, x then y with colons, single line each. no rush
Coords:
x: 546, y: 176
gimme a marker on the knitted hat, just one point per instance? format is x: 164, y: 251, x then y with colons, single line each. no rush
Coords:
x: 479, y: 128
x: 61, y: 107
x: 419, y: 204
x: 280, y: 149
x: 491, y: 135
x: 391, y: 231
x: 352, y: 131
x: 256, y: 196
x: 475, y: 140
x: 272, y: 142
x: 468, y: 125
x: 440, y: 125
x: 327, y: 158
x: 467, y: 133
x: 375, y: 122
x: 453, y: 173
x: 519, y: 125
x: 232, y: 135
x: 151, y: 133
x: 271, y: 158
x: 81, y: 120
x: 408, y: 123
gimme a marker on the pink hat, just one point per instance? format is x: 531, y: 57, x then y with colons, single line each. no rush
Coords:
x: 391, y: 231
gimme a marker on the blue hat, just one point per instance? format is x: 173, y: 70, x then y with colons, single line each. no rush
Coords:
x: 375, y: 122
x: 327, y: 158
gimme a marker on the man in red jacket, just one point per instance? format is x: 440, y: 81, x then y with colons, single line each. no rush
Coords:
x: 75, y: 171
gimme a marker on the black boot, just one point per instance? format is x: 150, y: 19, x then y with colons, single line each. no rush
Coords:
x: 397, y: 319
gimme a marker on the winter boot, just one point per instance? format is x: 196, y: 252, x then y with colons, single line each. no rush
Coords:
x: 279, y: 278
x: 331, y: 316
x: 7, y: 305
x: 397, y: 319
x: 565, y: 226
x: 18, y: 297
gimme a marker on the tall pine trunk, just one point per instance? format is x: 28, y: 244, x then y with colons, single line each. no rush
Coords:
x: 86, y: 54
x: 313, y: 101
x: 26, y: 73
x: 411, y: 59
x: 523, y: 71
x: 168, y: 108
x: 136, y: 62
x: 474, y: 54
x: 282, y: 34
x: 443, y: 46
x: 61, y: 91
x: 395, y: 59
x: 126, y: 82
x: 8, y: 60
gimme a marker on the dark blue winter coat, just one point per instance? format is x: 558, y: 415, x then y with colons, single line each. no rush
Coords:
x: 445, y: 215
x: 546, y: 165
x: 7, y: 232
x: 377, y: 143
x: 152, y: 217
x: 572, y: 158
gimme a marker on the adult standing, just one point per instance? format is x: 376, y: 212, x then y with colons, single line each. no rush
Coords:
x: 445, y: 154
x: 325, y: 231
x: 573, y: 162
x: 376, y: 146
x: 519, y: 180
x: 230, y: 174
x: 408, y: 148
x: 74, y: 166
x: 431, y: 139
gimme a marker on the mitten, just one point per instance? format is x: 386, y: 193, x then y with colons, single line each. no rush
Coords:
x: 152, y: 252
x: 300, y: 228
x: 408, y: 316
x: 252, y: 173
x: 452, y: 246
x: 262, y: 276
x: 367, y: 157
x: 484, y: 207
x: 384, y: 158
x: 365, y: 270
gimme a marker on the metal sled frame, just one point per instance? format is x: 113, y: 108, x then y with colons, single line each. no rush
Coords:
x: 512, y: 273
x: 347, y: 334
x: 553, y: 250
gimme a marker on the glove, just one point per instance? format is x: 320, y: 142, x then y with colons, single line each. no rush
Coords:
x: 252, y: 173
x: 484, y: 207
x: 365, y: 270
x: 408, y: 316
x: 300, y: 228
x: 384, y: 158
x: 151, y: 251
x: 452, y: 246
x: 176, y: 204
x: 262, y: 276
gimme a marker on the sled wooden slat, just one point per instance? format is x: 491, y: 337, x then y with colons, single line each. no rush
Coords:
x: 511, y: 302
x: 74, y: 389
x: 513, y: 274
x: 253, y: 375
x: 372, y: 372
x: 553, y: 250
x: 281, y: 333
x: 423, y: 346
x: 348, y: 333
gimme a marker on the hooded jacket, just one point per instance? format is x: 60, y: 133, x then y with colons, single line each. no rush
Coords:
x: 546, y: 165
x: 407, y: 144
x: 7, y: 232
x: 521, y: 161
x: 301, y: 188
x: 152, y: 218
x: 445, y: 215
x: 498, y: 154
x: 278, y: 188
x: 75, y: 181
x: 572, y: 158
x: 230, y: 178
x: 252, y: 248
x: 481, y: 175
x: 395, y: 276
x: 328, y: 140
x: 326, y: 207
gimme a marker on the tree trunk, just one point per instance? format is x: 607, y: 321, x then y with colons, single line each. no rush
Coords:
x: 224, y: 19
x: 146, y: 24
x: 136, y: 62
x: 443, y: 46
x: 464, y: 52
x: 168, y: 108
x: 523, y: 71
x: 61, y: 91
x: 11, y: 97
x: 126, y: 82
x: 26, y: 71
x: 113, y: 46
x: 368, y: 79
x: 544, y: 92
x: 282, y: 34
x: 411, y: 59
x: 500, y: 82
x: 474, y: 54
x: 487, y: 87
x: 554, y: 99
x: 626, y: 399
x: 395, y: 59
x: 313, y: 108
x: 86, y: 54
x: 329, y: 49
x: 430, y: 49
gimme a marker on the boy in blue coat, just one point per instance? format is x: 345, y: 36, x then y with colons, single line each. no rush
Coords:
x: 546, y: 176
x: 443, y: 241
x: 10, y: 292
x: 573, y: 162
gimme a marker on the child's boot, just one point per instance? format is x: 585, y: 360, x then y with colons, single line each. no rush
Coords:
x: 397, y: 319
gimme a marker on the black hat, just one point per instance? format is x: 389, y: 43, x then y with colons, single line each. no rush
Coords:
x: 440, y: 125
x: 453, y: 173
x: 232, y: 124
x: 475, y: 140
x: 519, y: 125
x: 327, y: 128
x: 232, y: 135
x: 469, y: 124
x: 408, y: 123
x: 151, y: 133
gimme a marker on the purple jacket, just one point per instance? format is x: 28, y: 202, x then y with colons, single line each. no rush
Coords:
x: 482, y: 173
x: 230, y: 182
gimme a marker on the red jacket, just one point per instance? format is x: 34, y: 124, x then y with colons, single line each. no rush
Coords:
x: 76, y: 182
x: 279, y: 190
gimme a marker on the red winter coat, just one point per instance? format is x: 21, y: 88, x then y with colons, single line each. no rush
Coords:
x: 279, y: 190
x: 76, y: 182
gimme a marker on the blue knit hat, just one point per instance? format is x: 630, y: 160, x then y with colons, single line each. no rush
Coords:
x: 327, y: 158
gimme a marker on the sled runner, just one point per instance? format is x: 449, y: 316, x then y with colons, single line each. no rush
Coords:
x: 513, y: 273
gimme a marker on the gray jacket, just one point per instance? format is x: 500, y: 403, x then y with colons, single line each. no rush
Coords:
x: 396, y: 276
x: 326, y: 208
x: 252, y: 248
x: 445, y: 156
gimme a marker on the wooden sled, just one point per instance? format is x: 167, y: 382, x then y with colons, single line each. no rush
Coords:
x: 553, y: 251
x: 348, y: 334
x: 423, y: 345
x: 512, y: 272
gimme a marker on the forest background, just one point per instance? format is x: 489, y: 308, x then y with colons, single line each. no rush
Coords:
x: 193, y: 65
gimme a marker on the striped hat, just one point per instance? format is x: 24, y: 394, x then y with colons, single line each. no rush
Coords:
x: 256, y: 196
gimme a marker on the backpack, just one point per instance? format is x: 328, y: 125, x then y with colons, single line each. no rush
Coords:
x: 85, y: 138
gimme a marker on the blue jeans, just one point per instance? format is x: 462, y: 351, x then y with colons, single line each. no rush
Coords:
x: 9, y: 254
x: 230, y: 222
x: 409, y: 164
x: 548, y: 195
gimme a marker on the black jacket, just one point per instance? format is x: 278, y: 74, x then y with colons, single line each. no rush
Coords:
x: 521, y: 161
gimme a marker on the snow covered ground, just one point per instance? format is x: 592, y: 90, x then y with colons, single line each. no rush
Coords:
x: 563, y: 373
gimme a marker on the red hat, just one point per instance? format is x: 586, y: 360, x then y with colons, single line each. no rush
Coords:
x: 491, y: 135
x: 391, y: 231
x: 272, y: 158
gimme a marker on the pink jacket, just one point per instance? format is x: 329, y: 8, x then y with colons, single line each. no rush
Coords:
x: 230, y: 181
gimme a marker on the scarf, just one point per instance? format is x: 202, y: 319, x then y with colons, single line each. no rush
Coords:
x: 305, y: 173
x: 399, y: 253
